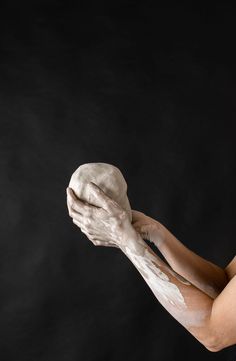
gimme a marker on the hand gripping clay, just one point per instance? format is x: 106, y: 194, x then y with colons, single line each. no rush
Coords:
x: 108, y: 177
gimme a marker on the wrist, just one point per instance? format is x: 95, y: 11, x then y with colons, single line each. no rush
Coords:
x: 132, y: 242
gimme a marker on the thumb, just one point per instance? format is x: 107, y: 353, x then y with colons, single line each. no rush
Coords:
x: 145, y: 232
x: 142, y: 230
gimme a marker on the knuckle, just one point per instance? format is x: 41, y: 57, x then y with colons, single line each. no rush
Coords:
x: 119, y: 218
x: 96, y: 243
x: 116, y: 221
x: 122, y: 214
x: 86, y: 222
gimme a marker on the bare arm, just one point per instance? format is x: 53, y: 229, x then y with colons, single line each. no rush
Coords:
x: 211, y: 321
x: 202, y: 316
x: 202, y: 273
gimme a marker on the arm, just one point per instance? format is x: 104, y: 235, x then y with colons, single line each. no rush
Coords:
x: 202, y: 273
x: 211, y: 322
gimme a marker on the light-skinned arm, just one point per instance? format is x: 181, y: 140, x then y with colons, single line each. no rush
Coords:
x: 202, y: 273
x: 211, y: 321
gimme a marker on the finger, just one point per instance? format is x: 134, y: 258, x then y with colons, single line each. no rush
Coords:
x: 136, y: 227
x: 97, y: 242
x: 76, y: 215
x: 93, y: 237
x: 79, y: 205
x: 105, y: 201
x: 84, y: 229
x: 136, y: 215
x: 72, y: 199
x: 135, y: 223
x: 77, y: 223
x: 68, y: 203
x: 107, y: 244
x: 144, y: 230
x: 112, y: 245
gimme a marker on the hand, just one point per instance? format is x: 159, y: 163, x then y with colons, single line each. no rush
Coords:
x: 108, y: 225
x: 147, y: 227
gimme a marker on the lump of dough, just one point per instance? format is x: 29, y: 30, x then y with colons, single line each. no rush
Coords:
x: 108, y: 177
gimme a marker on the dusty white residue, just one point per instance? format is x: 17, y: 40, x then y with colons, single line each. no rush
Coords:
x: 157, y: 235
x: 108, y: 177
x: 166, y: 292
x: 190, y: 318
x: 157, y: 280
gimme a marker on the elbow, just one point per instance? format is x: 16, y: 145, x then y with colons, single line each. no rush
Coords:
x: 213, y: 348
x: 213, y: 344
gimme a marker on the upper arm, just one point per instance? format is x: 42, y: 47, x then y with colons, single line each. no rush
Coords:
x: 230, y: 269
x: 223, y: 316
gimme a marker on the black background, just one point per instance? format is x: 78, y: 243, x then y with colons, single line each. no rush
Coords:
x: 150, y: 89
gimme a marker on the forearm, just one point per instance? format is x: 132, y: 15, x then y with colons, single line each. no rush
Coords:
x: 187, y: 304
x: 202, y: 273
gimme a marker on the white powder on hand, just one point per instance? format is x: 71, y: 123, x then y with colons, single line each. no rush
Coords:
x: 108, y: 177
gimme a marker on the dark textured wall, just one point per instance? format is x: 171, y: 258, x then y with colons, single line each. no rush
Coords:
x: 148, y: 89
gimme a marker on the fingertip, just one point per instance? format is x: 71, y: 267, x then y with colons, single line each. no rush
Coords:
x: 71, y: 191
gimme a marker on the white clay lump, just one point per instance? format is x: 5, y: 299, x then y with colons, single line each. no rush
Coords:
x: 108, y: 177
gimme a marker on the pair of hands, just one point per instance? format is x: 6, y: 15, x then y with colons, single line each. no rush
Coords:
x: 109, y: 224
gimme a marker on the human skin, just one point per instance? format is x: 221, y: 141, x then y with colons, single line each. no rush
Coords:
x: 211, y: 320
x: 202, y: 273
